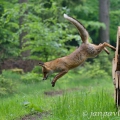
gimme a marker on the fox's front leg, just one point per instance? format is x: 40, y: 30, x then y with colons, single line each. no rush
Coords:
x: 45, y: 76
x: 57, y: 77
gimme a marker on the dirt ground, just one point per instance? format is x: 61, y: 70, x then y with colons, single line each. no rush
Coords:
x: 59, y: 92
x: 34, y: 116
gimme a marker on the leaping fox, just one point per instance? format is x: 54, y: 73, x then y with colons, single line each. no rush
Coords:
x: 85, y: 50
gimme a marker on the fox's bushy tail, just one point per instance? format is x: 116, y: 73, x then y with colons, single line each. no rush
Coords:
x: 82, y: 31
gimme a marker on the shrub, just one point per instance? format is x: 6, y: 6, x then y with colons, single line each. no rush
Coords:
x: 37, y: 69
x: 30, y: 77
x: 9, y: 74
x: 7, y: 86
x: 93, y: 71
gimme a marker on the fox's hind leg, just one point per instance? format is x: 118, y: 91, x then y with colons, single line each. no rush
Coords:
x: 108, y: 45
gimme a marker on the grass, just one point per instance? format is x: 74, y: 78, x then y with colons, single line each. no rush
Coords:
x: 93, y: 100
x: 85, y: 106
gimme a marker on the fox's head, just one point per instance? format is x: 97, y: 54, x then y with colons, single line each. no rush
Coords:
x: 45, y: 70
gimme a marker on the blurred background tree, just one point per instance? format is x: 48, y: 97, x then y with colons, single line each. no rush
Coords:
x: 104, y: 18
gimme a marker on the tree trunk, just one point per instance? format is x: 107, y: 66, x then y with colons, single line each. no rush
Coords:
x: 104, y: 18
x: 23, y: 33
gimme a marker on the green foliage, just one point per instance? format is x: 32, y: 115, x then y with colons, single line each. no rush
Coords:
x: 37, y: 69
x: 7, y: 86
x: 114, y: 19
x: 9, y: 44
x: 30, y: 78
x: 32, y: 107
x: 9, y: 82
x: 47, y: 33
x: 93, y: 71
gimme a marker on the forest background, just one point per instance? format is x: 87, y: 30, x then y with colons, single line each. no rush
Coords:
x: 35, y: 30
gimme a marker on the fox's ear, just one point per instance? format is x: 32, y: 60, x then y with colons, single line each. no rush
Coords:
x: 41, y: 64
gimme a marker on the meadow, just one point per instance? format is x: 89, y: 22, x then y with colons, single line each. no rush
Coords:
x: 75, y: 97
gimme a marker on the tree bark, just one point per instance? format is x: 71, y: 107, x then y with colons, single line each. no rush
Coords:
x: 104, y: 18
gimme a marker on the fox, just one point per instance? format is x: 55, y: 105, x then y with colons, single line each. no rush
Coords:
x: 86, y: 50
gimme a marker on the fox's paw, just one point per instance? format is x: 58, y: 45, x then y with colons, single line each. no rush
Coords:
x: 45, y: 78
x: 53, y: 84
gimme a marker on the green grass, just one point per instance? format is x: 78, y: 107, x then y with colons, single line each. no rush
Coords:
x: 91, y: 101
x: 85, y: 106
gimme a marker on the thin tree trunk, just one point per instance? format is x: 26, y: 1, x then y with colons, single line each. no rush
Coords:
x: 23, y: 33
x: 104, y: 18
